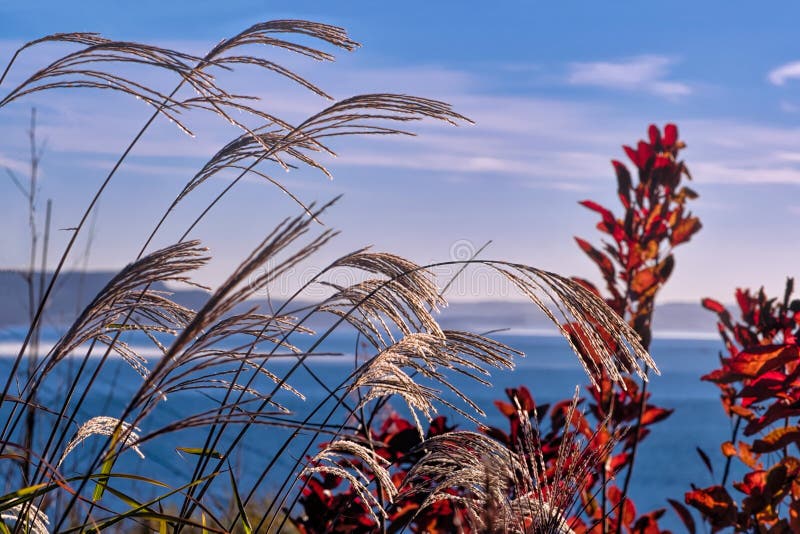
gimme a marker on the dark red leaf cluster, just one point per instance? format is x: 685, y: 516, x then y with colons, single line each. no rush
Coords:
x: 759, y: 380
x: 623, y: 518
x: 330, y: 505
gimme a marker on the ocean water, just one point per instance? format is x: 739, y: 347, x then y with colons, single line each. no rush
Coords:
x: 667, y: 465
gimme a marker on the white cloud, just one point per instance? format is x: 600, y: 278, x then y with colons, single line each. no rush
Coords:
x: 720, y: 172
x: 784, y: 73
x: 532, y: 141
x: 13, y: 164
x: 738, y: 152
x: 647, y: 74
x: 792, y: 157
x: 528, y: 140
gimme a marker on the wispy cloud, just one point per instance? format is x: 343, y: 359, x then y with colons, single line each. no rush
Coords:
x: 648, y: 74
x: 12, y: 164
x: 531, y: 154
x: 525, y: 139
x: 784, y: 73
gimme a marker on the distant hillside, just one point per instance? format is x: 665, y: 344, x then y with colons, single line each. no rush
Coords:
x: 672, y: 318
x: 74, y: 290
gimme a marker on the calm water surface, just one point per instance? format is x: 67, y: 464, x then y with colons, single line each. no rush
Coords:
x: 668, y: 459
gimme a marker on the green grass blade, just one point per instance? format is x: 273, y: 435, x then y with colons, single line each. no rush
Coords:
x: 197, y: 451
x: 248, y: 529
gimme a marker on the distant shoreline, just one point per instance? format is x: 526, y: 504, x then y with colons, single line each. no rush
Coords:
x: 10, y: 348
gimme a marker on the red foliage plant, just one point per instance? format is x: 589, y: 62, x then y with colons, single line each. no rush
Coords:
x: 638, y: 260
x: 759, y: 381
x: 635, y: 263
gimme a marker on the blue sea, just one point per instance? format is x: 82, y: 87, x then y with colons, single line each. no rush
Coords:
x: 667, y: 465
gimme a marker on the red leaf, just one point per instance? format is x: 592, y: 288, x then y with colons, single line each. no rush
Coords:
x: 648, y: 524
x: 778, y: 476
x: 766, y: 386
x: 706, y: 460
x: 624, y: 183
x: 684, y: 514
x: 662, y: 162
x: 684, y: 230
x: 618, y: 462
x: 505, y: 408
x: 670, y: 135
x: 654, y: 134
x: 777, y: 439
x: 497, y: 434
x: 602, y: 261
x: 643, y: 281
x: 439, y: 426
x: 794, y: 515
x: 654, y: 414
x: 747, y: 457
x: 744, y: 300
x: 522, y: 396
x: 665, y: 267
x: 608, y: 217
x: 644, y: 152
x: 728, y: 449
x: 741, y: 411
x: 713, y: 305
x: 689, y: 193
x: 632, y: 155
x: 628, y: 513
x: 758, y: 360
x: 754, y: 482
x: 714, y: 502
x: 774, y: 413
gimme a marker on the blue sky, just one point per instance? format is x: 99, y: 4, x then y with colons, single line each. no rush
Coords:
x: 555, y: 90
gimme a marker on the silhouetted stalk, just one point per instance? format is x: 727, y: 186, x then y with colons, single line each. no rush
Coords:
x: 734, y: 435
x: 44, y: 297
x: 127, y: 411
x: 8, y: 66
x: 33, y: 185
x: 642, y: 406
x: 604, y: 482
